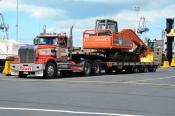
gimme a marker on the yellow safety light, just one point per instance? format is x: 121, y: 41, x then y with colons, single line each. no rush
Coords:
x: 171, y: 33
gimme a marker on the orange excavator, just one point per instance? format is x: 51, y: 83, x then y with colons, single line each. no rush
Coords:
x: 117, y: 46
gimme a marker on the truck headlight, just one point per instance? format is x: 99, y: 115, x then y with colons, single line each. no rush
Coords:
x: 45, y: 51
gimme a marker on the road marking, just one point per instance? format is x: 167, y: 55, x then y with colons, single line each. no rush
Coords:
x: 153, y: 84
x: 151, y: 79
x: 65, y: 111
x: 137, y: 82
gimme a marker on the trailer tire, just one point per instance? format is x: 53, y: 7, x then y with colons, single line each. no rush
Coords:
x: 143, y: 69
x: 135, y: 69
x: 152, y: 68
x: 86, y: 68
x: 50, y: 71
x: 96, y: 68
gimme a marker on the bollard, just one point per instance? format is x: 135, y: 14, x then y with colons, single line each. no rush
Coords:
x: 165, y: 64
x: 7, y: 69
x: 173, y: 62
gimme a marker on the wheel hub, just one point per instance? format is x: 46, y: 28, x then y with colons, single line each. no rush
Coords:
x: 50, y: 71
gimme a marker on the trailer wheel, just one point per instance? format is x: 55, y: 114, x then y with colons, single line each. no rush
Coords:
x: 87, y: 68
x: 50, y: 70
x: 96, y: 68
x: 152, y: 68
x: 135, y: 69
x: 21, y: 75
x: 143, y: 69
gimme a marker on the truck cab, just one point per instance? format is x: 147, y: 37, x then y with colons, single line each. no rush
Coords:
x: 49, y: 53
x: 55, y: 40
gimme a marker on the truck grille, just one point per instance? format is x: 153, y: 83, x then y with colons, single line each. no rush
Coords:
x: 27, y: 54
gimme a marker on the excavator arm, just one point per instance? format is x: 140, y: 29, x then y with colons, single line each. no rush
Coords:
x: 130, y: 35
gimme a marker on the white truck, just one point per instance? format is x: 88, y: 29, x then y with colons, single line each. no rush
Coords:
x: 7, y: 48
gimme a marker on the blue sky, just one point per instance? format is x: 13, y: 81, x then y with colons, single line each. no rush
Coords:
x: 59, y: 15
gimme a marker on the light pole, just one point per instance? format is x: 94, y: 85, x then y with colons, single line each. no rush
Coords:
x: 17, y: 20
x: 137, y: 9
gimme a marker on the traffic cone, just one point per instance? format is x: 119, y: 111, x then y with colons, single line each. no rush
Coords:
x: 7, y: 69
x: 165, y: 64
x: 173, y: 62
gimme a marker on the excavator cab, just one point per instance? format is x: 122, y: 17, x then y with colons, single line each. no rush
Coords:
x: 105, y: 24
x: 101, y: 37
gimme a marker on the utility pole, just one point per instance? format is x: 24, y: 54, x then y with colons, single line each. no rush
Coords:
x: 137, y: 10
x: 17, y: 20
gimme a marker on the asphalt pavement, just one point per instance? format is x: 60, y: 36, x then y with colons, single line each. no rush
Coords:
x: 140, y: 94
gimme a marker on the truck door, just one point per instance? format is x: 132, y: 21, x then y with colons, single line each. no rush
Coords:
x: 63, y: 49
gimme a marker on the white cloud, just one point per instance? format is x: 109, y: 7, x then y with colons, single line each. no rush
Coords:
x: 152, y: 10
x: 127, y: 2
x: 42, y: 12
x: 125, y: 18
x: 35, y: 11
x: 106, y: 1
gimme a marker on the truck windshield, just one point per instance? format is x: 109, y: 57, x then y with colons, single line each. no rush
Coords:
x: 46, y: 40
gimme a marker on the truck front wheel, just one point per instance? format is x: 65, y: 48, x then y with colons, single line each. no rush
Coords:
x: 50, y: 70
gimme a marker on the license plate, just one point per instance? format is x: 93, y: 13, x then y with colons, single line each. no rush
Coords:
x: 25, y: 68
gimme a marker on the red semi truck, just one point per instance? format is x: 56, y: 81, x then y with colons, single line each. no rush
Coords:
x: 104, y: 48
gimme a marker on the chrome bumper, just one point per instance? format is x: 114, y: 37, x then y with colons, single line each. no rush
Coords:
x: 37, y: 69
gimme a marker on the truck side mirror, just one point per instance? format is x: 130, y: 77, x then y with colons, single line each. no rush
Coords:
x: 35, y: 41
